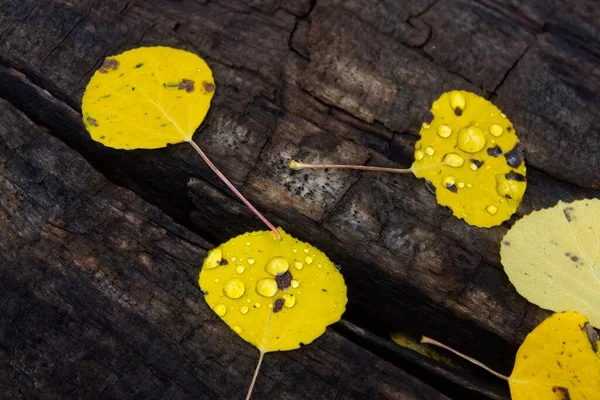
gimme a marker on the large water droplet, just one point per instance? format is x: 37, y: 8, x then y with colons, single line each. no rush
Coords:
x: 289, y: 300
x: 221, y: 310
x: 240, y: 269
x: 277, y: 266
x: 419, y: 155
x: 496, y: 130
x: 444, y: 131
x: 430, y: 151
x: 471, y: 139
x: 266, y: 287
x: 234, y: 288
x: 294, y: 283
x: 244, y: 309
x: 453, y: 160
x: 298, y: 265
x: 251, y: 261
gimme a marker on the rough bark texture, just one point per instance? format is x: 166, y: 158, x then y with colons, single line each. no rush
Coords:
x: 101, y: 298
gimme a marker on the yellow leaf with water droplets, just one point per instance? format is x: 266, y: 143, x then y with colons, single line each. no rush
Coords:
x: 552, y: 257
x: 275, y: 294
x: 471, y: 154
x: 147, y: 98
x: 559, y: 360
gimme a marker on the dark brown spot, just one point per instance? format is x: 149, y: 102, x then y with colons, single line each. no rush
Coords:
x: 284, y: 280
x: 478, y: 163
x: 452, y: 188
x: 92, y: 121
x: 592, y: 335
x: 223, y: 262
x: 494, y: 151
x: 458, y: 111
x: 572, y: 257
x: 324, y: 290
x: 140, y: 65
x: 109, y: 64
x: 187, y: 85
x: 562, y: 392
x: 514, y: 158
x: 278, y: 305
x: 209, y: 87
x: 508, y: 128
x: 506, y: 243
x: 569, y: 213
x: 559, y: 364
x: 515, y: 176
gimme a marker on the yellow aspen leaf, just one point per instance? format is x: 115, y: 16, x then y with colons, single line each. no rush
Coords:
x: 552, y: 257
x: 275, y: 294
x: 559, y: 360
x: 472, y: 156
x: 147, y: 98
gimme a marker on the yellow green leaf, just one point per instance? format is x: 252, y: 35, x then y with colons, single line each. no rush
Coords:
x: 275, y: 294
x: 552, y: 257
x: 559, y: 359
x: 147, y: 97
x: 471, y: 154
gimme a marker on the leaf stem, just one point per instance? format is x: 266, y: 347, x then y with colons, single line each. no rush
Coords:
x: 434, y: 342
x: 251, y: 387
x: 233, y: 188
x: 297, y: 165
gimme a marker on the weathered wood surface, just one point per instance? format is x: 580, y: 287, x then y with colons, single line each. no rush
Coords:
x: 339, y: 81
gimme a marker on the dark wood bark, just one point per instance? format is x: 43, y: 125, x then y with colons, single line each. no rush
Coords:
x: 343, y: 81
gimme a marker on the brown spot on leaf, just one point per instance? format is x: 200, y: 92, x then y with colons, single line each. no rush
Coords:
x: 284, y: 280
x: 562, y: 392
x: 478, y: 163
x: 592, y: 335
x: 109, y: 64
x: 514, y: 158
x: 91, y: 121
x: 494, y: 151
x: 187, y: 85
x: 223, y: 262
x: 515, y: 176
x: 506, y: 243
x: 278, y: 305
x: 452, y: 188
x: 140, y: 65
x: 569, y: 213
x: 209, y: 87
x: 572, y: 257
x: 458, y: 111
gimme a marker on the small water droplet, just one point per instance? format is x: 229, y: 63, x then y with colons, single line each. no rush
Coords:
x: 248, y: 243
x: 496, y: 130
x: 294, y: 283
x: 270, y: 305
x: 419, y: 155
x: 237, y: 329
x: 233, y: 259
x: 257, y: 305
x: 216, y: 280
x: 248, y: 300
x: 240, y: 269
x: 469, y: 185
x: 460, y: 185
x: 266, y: 287
x: 220, y: 309
x: 444, y: 131
x: 244, y: 309
x: 298, y: 265
x: 453, y: 160
x: 449, y: 181
x: 277, y: 266
x: 234, y: 288
x: 306, y: 250
x: 294, y: 250
x: 289, y: 300
x: 308, y: 259
x: 319, y: 265
x: 426, y: 125
x: 503, y: 115
x: 492, y: 209
x: 251, y: 261
x: 430, y: 151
